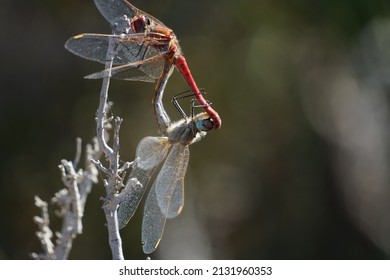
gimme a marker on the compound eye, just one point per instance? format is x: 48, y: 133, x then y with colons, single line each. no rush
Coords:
x: 205, y: 125
x: 138, y: 24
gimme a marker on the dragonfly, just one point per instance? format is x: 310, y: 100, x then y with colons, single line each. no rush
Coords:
x: 170, y: 153
x: 142, y: 45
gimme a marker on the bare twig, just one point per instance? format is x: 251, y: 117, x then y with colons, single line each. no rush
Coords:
x: 114, y: 173
x: 77, y: 157
x: 69, y: 178
x: 44, y: 234
x: 70, y: 202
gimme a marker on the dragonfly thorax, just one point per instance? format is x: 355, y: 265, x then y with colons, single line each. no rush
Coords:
x: 188, y: 131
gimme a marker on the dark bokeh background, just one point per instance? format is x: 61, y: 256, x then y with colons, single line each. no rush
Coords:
x: 300, y: 168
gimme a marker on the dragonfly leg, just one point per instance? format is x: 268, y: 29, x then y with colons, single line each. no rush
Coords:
x: 193, y: 106
x: 186, y: 94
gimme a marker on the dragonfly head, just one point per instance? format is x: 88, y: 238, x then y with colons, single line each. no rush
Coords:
x: 203, y: 122
x: 140, y: 24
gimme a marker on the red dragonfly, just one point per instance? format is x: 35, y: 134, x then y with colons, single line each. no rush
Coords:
x: 142, y: 44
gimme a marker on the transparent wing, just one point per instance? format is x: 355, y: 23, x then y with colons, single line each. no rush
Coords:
x: 114, y: 10
x: 151, y: 151
x: 147, y: 70
x: 177, y: 201
x: 128, y: 49
x: 174, y: 205
x: 165, y: 199
x: 94, y: 47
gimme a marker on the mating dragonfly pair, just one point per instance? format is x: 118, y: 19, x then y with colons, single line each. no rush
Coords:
x: 146, y: 50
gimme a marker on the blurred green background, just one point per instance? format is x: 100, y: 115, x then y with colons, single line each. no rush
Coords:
x: 299, y: 169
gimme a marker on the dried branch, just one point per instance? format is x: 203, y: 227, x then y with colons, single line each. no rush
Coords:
x: 44, y: 234
x: 70, y: 202
x: 114, y: 173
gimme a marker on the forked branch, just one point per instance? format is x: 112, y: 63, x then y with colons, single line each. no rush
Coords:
x: 70, y: 202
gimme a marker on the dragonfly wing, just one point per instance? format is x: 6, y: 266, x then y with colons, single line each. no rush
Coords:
x: 165, y: 199
x: 94, y: 47
x: 148, y: 70
x: 177, y: 202
x: 177, y: 198
x: 151, y: 151
x: 153, y: 223
x: 130, y: 50
x: 127, y: 49
x: 114, y: 10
